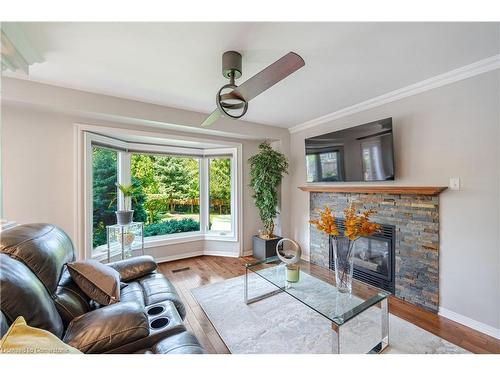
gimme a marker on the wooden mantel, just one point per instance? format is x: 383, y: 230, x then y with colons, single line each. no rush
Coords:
x: 372, y: 189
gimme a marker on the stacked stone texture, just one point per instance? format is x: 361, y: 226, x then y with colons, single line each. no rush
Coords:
x: 416, y: 218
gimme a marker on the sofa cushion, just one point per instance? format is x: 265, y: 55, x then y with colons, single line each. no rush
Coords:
x: 43, y: 248
x: 135, y: 267
x: 108, y: 328
x: 23, y: 294
x: 69, y: 299
x: 98, y: 281
x: 23, y: 339
x: 151, y: 289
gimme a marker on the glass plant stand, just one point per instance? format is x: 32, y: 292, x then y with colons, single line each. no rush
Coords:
x: 359, y: 320
x: 124, y: 239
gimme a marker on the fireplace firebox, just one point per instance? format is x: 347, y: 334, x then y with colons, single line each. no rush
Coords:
x: 374, y: 258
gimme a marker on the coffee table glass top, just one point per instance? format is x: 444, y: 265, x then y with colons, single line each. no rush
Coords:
x: 316, y: 289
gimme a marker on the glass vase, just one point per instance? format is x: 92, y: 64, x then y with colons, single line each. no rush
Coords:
x: 343, y: 249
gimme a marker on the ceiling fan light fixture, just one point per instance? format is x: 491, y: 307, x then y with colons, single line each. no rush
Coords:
x: 229, y: 104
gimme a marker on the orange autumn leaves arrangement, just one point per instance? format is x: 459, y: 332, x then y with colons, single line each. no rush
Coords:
x: 326, y: 222
x: 356, y: 225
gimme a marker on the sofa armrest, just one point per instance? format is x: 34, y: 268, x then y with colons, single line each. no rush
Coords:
x: 181, y: 343
x: 133, y: 268
x: 108, y: 328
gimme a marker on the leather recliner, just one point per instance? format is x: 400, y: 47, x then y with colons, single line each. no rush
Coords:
x: 35, y: 284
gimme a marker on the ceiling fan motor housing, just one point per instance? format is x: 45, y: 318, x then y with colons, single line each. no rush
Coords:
x: 231, y: 64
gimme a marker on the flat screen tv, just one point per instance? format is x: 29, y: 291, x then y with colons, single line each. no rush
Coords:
x: 360, y: 153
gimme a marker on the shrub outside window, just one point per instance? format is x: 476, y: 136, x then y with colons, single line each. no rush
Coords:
x: 168, y: 195
x: 104, y: 177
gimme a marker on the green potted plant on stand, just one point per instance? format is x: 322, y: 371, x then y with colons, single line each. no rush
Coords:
x: 125, y: 215
x: 267, y: 168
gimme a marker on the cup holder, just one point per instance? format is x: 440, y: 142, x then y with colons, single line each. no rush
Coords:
x: 159, y: 322
x: 156, y: 310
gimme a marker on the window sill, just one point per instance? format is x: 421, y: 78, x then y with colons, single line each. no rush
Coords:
x: 229, y: 237
x: 172, y: 239
x: 101, y: 253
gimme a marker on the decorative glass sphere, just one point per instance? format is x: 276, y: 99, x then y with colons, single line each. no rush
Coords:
x: 288, y: 251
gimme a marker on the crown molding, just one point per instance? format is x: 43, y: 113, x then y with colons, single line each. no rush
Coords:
x: 455, y: 75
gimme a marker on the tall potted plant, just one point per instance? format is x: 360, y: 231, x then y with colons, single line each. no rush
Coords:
x: 125, y: 215
x: 267, y: 169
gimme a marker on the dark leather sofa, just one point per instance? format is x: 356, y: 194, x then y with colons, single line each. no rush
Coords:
x: 35, y: 284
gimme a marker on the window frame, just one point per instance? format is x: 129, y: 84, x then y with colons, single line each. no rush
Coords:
x: 125, y: 149
x: 211, y: 154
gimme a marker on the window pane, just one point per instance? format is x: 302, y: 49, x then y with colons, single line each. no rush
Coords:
x: 372, y: 160
x: 220, y: 194
x: 104, y: 177
x: 312, y: 170
x: 329, y: 165
x: 168, y: 198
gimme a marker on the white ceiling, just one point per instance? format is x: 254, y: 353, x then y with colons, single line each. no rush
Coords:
x: 179, y: 64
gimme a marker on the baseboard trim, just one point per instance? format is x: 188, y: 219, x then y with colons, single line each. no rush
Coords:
x: 193, y: 254
x: 471, y: 323
x: 170, y: 258
x: 221, y: 253
x: 248, y: 253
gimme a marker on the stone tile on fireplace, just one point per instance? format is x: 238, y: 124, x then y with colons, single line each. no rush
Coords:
x: 416, y: 218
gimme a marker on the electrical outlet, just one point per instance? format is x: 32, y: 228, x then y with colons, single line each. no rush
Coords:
x: 454, y: 183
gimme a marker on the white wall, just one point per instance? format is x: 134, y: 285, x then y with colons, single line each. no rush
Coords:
x: 39, y: 149
x: 452, y: 131
x: 38, y: 167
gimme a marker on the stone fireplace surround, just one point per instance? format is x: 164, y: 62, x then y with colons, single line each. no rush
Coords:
x: 416, y: 218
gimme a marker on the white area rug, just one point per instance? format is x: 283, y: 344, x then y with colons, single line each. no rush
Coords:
x: 281, y: 324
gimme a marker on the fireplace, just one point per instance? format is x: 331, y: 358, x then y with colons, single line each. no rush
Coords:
x: 411, y: 221
x: 374, y: 259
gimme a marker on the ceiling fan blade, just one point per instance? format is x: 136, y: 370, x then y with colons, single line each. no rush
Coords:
x: 214, y: 116
x: 270, y: 76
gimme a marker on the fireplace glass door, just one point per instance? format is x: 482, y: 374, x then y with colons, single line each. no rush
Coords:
x: 374, y: 259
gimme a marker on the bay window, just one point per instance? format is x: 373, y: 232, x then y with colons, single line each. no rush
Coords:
x: 180, y: 192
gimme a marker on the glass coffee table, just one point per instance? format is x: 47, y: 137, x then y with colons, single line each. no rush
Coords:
x: 353, y: 316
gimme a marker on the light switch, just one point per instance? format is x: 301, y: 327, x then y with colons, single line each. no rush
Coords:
x: 454, y: 183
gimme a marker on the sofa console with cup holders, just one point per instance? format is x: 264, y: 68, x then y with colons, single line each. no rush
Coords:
x: 35, y: 283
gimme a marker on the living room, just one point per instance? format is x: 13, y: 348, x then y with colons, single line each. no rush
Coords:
x: 250, y: 188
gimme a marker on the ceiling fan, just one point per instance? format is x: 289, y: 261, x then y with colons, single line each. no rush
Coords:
x: 232, y: 100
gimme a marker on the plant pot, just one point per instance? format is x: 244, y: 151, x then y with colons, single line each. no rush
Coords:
x: 124, y: 217
x: 264, y: 248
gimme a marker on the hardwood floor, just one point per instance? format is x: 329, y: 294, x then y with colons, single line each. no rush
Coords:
x: 210, y: 269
